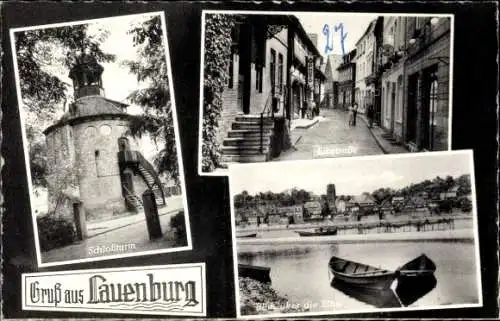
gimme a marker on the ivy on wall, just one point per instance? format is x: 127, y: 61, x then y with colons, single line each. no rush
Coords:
x: 217, y: 52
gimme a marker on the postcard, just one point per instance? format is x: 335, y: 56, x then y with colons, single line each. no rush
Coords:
x: 101, y: 139
x: 355, y: 235
x: 279, y: 86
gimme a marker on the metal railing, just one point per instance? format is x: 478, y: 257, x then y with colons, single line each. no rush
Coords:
x: 269, y: 110
x: 132, y: 195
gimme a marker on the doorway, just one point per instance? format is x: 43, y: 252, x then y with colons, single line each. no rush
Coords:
x: 411, y: 120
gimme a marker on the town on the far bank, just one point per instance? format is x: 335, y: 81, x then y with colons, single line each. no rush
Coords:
x: 426, y: 199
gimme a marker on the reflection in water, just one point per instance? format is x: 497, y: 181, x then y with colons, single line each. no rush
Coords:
x: 379, y: 298
x: 300, y: 271
x: 408, y: 290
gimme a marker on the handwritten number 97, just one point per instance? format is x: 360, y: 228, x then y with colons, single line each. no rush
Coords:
x: 337, y: 29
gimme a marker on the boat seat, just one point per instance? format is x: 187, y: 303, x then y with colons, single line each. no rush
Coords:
x: 343, y: 267
x: 350, y: 269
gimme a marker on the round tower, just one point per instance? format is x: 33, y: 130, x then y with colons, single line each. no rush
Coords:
x: 83, y: 145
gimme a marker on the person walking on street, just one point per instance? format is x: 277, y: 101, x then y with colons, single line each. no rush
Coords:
x: 351, y: 116
x: 355, y: 112
x: 370, y: 114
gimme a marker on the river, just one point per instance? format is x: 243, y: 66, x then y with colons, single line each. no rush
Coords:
x: 300, y: 271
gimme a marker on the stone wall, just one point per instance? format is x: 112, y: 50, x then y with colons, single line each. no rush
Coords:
x: 96, y: 145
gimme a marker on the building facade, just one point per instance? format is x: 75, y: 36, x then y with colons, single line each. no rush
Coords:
x: 393, y: 75
x: 427, y: 83
x: 332, y: 81
x: 365, y: 58
x: 347, y: 80
x: 274, y: 70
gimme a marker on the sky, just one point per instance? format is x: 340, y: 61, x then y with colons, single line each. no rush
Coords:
x: 351, y: 176
x: 354, y: 27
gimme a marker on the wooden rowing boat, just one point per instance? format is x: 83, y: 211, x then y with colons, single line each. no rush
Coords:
x: 319, y: 232
x: 248, y: 235
x: 259, y: 273
x: 367, y: 276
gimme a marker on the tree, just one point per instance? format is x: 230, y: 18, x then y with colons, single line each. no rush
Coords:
x: 151, y: 69
x: 37, y: 51
x: 42, y: 54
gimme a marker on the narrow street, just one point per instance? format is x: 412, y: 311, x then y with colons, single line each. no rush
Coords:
x: 334, y: 137
x: 130, y: 238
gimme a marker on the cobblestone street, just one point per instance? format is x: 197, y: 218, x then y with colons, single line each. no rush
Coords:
x: 333, y: 137
x: 129, y: 238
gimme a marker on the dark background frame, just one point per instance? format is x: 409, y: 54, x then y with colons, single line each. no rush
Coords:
x: 475, y: 85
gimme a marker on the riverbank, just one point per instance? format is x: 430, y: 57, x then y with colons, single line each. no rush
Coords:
x: 457, y: 235
x: 351, y: 224
x: 260, y: 298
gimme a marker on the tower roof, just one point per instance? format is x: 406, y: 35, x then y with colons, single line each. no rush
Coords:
x: 91, y: 108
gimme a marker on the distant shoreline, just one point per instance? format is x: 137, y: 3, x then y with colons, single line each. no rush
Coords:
x: 458, y: 235
x: 277, y: 227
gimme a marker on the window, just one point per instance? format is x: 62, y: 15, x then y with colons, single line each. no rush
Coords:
x: 96, y: 160
x: 105, y: 130
x: 280, y: 73
x: 258, y: 78
x: 399, y: 105
x: 433, y: 101
x: 272, y: 68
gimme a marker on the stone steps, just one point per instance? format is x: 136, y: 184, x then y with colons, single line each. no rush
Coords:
x: 254, y: 119
x: 250, y: 126
x: 244, y: 150
x: 245, y: 133
x: 247, y: 141
x: 244, y: 158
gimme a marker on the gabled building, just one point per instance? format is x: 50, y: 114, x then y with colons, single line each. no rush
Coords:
x: 364, y: 201
x: 415, y: 203
x: 449, y: 194
x: 347, y: 80
x: 332, y: 81
x: 365, y: 73
x: 312, y: 210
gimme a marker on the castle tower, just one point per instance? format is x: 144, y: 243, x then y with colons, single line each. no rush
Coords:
x: 84, y: 148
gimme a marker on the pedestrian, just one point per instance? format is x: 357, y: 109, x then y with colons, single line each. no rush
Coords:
x: 313, y: 109
x: 351, y: 116
x: 355, y: 112
x: 304, y: 108
x: 370, y: 114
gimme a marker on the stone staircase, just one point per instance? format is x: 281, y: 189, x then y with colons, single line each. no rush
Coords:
x: 243, y: 142
x: 149, y: 178
x: 135, y: 201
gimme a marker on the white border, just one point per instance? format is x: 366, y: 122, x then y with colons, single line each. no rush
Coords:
x: 110, y: 270
x: 330, y: 162
x: 176, y: 131
x: 225, y: 172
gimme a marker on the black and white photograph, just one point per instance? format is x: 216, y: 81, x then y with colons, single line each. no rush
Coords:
x: 355, y: 235
x: 279, y: 86
x: 100, y: 138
